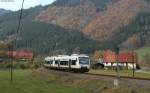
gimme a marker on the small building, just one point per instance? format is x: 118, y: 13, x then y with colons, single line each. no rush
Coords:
x: 127, y: 59
x: 26, y: 55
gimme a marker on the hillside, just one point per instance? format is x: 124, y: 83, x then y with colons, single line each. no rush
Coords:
x: 2, y: 11
x: 99, y: 4
x: 47, y: 38
x: 116, y: 15
x: 72, y: 14
x: 9, y: 22
x: 104, y: 20
x: 66, y: 18
x: 83, y: 25
x: 43, y: 38
x: 85, y: 15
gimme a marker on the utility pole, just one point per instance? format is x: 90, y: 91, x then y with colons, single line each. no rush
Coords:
x: 116, y: 81
x: 10, y: 55
x: 133, y: 57
x: 11, y: 62
x: 117, y: 53
x: 13, y: 44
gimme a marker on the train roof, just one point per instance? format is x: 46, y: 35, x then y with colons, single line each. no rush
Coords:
x: 79, y: 55
x: 65, y: 57
x: 49, y: 58
x: 62, y: 55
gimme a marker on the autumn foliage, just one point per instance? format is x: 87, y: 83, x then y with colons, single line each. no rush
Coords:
x: 114, y: 17
x: 86, y: 17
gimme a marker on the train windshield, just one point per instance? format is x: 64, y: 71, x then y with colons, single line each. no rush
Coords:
x: 84, y: 60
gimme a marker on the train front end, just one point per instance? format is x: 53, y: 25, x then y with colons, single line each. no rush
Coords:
x: 84, y: 63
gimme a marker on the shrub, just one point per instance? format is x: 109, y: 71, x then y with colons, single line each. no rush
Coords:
x: 37, y: 65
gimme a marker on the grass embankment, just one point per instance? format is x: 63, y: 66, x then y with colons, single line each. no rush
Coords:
x: 93, y: 84
x: 142, y: 52
x: 121, y: 73
x: 144, y: 56
x: 25, y: 82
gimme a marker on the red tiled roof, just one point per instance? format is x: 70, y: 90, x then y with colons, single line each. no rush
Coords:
x: 128, y: 57
x: 109, y: 56
x: 20, y: 54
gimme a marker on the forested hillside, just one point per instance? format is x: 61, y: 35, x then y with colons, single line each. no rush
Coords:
x: 42, y: 37
x: 111, y: 22
x: 47, y: 38
x: 84, y: 26
x: 116, y: 15
x: 73, y: 14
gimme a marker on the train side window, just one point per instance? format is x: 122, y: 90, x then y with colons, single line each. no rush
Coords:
x: 73, y: 62
x: 51, y: 62
x: 56, y: 62
x: 64, y: 63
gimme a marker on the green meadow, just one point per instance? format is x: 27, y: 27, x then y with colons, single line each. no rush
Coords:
x: 142, y: 52
x: 25, y: 82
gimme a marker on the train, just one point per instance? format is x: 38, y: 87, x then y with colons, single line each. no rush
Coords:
x: 75, y: 62
x: 81, y: 62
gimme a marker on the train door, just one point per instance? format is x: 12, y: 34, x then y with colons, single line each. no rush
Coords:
x: 58, y: 64
x: 74, y: 63
x: 69, y: 64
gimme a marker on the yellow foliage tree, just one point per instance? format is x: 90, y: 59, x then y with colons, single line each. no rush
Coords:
x: 97, y: 55
x: 3, y: 46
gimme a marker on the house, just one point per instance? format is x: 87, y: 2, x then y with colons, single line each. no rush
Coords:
x: 126, y: 59
x: 26, y: 55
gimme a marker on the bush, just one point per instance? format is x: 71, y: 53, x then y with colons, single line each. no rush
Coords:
x: 16, y: 65
x: 23, y: 66
x: 37, y: 65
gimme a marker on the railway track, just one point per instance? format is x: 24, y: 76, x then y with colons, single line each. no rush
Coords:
x: 120, y: 77
x: 93, y: 81
x: 98, y: 75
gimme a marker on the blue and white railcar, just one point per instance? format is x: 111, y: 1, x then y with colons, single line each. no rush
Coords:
x: 74, y: 62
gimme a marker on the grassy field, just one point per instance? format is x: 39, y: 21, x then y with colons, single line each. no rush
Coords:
x: 121, y: 73
x: 25, y: 82
x: 142, y: 52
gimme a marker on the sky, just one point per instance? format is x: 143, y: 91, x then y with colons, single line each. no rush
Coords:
x: 16, y: 4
